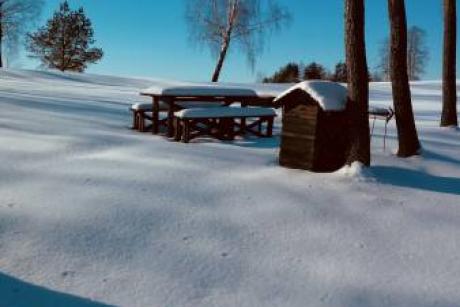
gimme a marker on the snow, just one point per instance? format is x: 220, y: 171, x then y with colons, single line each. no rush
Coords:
x: 330, y: 96
x: 176, y: 88
x: 185, y: 104
x: 141, y: 106
x: 225, y: 112
x: 94, y: 214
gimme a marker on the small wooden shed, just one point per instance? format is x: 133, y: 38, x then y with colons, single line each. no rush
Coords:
x: 314, y: 132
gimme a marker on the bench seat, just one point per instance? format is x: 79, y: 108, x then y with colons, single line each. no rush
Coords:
x: 225, y: 112
x: 221, y: 122
x: 144, y: 111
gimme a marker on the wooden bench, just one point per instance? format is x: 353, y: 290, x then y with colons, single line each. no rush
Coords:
x: 221, y: 122
x: 143, y: 112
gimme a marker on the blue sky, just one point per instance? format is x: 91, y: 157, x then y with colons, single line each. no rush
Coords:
x: 150, y: 38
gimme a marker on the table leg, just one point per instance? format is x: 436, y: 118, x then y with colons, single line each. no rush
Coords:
x: 155, y: 115
x: 171, y: 109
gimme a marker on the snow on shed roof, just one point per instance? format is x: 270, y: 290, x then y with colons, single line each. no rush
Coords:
x: 331, y: 96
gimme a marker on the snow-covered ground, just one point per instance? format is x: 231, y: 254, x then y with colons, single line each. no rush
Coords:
x: 94, y: 214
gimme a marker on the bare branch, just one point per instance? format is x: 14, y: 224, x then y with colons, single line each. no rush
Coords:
x: 218, y: 24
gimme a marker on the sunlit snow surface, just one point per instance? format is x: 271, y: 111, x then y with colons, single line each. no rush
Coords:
x: 94, y: 214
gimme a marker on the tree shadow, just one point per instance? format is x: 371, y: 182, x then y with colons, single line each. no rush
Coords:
x: 17, y: 293
x: 416, y: 180
x: 439, y: 157
x: 371, y: 297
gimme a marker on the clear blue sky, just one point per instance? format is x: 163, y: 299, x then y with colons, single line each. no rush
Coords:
x: 149, y: 38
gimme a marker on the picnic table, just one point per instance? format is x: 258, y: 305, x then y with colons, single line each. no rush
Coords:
x: 228, y: 93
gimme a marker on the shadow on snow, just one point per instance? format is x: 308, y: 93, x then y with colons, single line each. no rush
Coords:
x: 416, y: 179
x: 17, y: 293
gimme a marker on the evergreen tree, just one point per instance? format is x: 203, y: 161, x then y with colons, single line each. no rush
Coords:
x: 65, y: 42
x: 340, y: 73
x: 287, y: 74
x: 314, y: 71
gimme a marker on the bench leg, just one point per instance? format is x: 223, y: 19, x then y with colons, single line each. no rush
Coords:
x: 229, y: 129
x: 270, y: 127
x: 141, y: 123
x: 155, y: 115
x: 178, y: 129
x: 243, y: 126
x: 186, y: 132
x: 134, y: 126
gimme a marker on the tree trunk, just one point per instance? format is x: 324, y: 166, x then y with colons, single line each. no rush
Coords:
x: 1, y: 34
x: 220, y: 61
x: 233, y: 7
x: 1, y: 46
x: 358, y: 85
x: 409, y: 144
x: 449, y: 87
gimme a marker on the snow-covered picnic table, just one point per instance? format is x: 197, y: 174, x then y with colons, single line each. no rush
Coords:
x: 173, y: 92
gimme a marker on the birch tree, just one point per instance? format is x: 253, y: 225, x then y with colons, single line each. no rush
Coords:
x: 245, y: 23
x: 16, y: 17
x: 417, y: 55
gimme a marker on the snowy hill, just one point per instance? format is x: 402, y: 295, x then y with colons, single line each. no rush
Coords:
x: 94, y: 214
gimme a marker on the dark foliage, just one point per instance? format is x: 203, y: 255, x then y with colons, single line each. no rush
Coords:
x: 314, y: 71
x: 65, y: 42
x: 287, y: 74
x: 340, y: 73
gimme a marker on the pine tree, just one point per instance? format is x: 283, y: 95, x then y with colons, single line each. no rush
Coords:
x: 314, y: 71
x: 449, y: 110
x: 409, y: 144
x: 340, y: 73
x: 65, y: 42
x: 358, y: 86
x: 286, y: 74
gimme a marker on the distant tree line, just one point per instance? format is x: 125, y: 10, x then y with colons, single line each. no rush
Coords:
x: 294, y: 72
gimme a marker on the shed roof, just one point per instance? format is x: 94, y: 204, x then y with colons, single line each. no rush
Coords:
x: 331, y: 96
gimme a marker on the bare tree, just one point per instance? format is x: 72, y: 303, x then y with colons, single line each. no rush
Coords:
x: 417, y: 55
x: 409, y: 144
x: 16, y: 16
x: 358, y: 86
x: 384, y: 64
x: 417, y: 52
x: 449, y: 110
x: 218, y: 23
